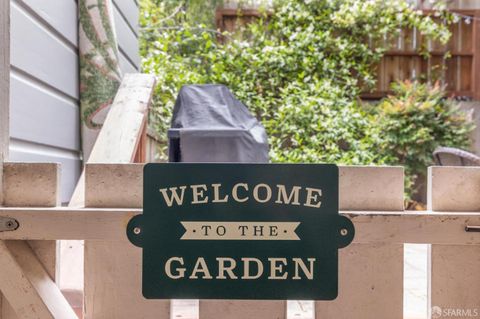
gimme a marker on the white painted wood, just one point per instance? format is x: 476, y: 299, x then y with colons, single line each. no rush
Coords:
x: 454, y: 277
x: 31, y: 184
x: 300, y: 309
x: 129, y: 10
x: 127, y: 40
x: 59, y: 15
x: 113, y: 269
x: 371, y: 188
x: 240, y: 309
x: 69, y: 223
x: 109, y: 224
x: 120, y: 134
x: 105, y: 178
x: 454, y: 188
x: 36, y: 51
x: 27, y: 286
x: 21, y: 151
x: 184, y: 309
x: 370, y: 283
x: 42, y: 116
x: 374, y: 268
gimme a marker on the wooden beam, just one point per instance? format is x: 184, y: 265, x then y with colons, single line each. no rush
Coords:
x: 27, y: 285
x: 109, y: 224
x: 122, y: 130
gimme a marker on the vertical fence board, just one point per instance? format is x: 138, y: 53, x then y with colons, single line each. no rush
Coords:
x: 455, y: 276
x: 241, y: 309
x: 113, y: 273
x: 34, y: 184
x: 369, y: 272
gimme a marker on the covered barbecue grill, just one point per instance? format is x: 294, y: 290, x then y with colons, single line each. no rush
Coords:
x: 210, y: 125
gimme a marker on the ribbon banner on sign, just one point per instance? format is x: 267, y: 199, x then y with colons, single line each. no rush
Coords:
x: 240, y: 231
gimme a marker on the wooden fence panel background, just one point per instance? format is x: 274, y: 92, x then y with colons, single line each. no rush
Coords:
x: 459, y: 71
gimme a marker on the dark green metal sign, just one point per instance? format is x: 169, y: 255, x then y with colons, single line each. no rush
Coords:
x: 240, y: 231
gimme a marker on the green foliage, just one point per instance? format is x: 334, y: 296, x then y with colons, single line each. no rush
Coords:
x: 300, y: 72
x: 416, y: 120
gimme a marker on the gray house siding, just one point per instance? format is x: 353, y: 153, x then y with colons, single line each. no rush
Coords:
x: 44, y: 107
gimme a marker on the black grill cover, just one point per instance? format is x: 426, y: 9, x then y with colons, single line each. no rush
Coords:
x: 210, y: 125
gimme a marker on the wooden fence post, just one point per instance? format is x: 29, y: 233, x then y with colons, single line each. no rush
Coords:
x: 30, y: 264
x: 370, y: 275
x: 113, y: 270
x: 455, y: 269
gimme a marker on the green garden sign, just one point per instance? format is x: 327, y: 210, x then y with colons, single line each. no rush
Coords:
x: 240, y: 231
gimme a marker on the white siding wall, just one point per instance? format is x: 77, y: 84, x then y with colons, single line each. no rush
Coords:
x: 44, y: 112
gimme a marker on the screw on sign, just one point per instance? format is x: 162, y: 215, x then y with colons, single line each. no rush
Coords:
x: 240, y: 231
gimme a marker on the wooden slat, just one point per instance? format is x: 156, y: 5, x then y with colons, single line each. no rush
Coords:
x: 369, y: 188
x: 476, y: 58
x: 27, y: 286
x: 113, y: 270
x: 466, y: 74
x: 416, y: 227
x: 34, y: 184
x: 241, y: 309
x: 119, y: 136
x: 454, y: 276
x: 454, y: 188
x: 120, y: 133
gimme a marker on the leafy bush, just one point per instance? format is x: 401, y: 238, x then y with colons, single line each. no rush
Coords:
x: 300, y: 72
x: 413, y: 122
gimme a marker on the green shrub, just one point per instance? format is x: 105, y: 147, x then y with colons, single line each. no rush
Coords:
x: 413, y: 122
x: 300, y: 72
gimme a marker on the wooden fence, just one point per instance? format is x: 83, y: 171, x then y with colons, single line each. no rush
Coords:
x: 460, y: 72
x: 370, y: 269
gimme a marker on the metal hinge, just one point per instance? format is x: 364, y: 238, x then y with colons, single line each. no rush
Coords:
x: 8, y: 224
